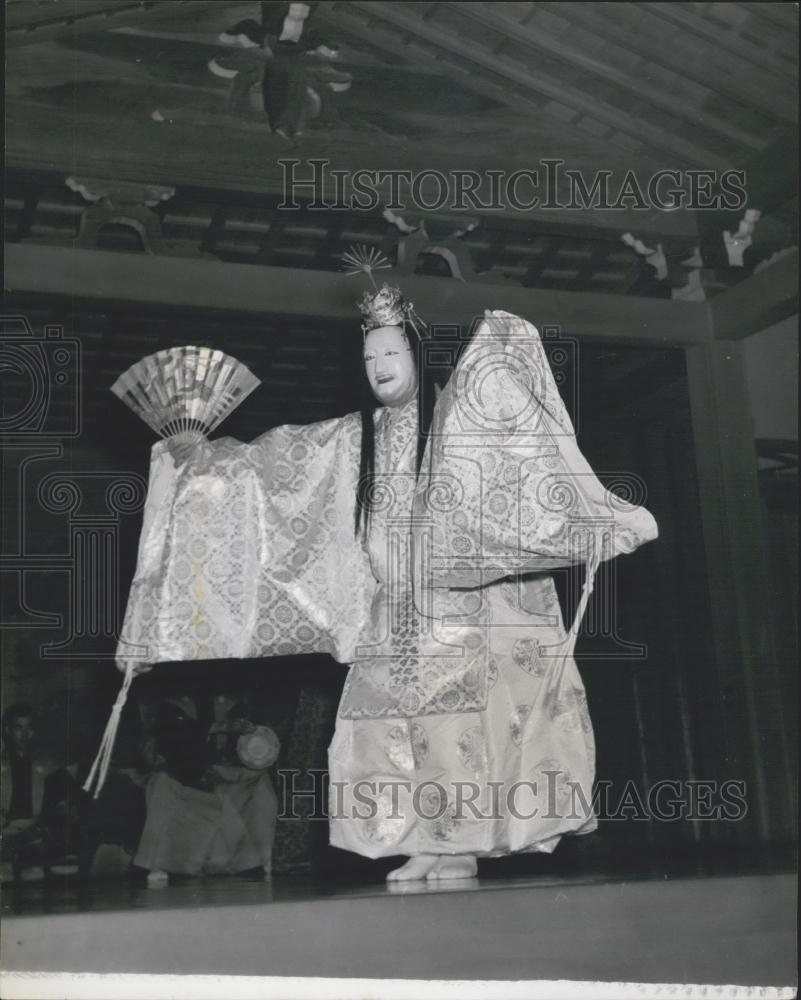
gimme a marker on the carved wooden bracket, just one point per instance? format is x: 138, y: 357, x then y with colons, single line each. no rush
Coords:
x: 414, y: 242
x: 701, y: 283
x: 654, y: 256
x: 736, y: 243
x: 693, y: 291
x: 121, y: 203
x: 689, y: 277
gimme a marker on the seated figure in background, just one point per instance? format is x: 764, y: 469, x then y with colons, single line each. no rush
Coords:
x: 210, y: 810
x: 24, y: 770
x: 89, y: 836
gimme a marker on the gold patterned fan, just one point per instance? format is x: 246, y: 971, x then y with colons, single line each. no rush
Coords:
x: 182, y: 393
x: 185, y: 392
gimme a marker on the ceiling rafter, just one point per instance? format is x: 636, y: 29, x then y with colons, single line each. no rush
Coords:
x: 738, y: 46
x: 359, y: 28
x: 783, y: 15
x: 44, y: 120
x: 766, y: 297
x: 735, y: 88
x: 350, y: 24
x: 541, y: 42
x: 209, y: 225
x: 583, y: 104
x: 771, y: 178
x: 30, y: 23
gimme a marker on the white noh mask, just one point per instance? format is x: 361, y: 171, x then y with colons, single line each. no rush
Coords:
x: 390, y: 365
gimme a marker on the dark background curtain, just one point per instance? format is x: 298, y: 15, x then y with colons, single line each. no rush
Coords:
x: 673, y: 714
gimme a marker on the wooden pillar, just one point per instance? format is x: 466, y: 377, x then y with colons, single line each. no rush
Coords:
x: 733, y: 541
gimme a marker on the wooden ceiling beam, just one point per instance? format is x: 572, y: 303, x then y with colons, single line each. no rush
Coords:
x: 339, y: 17
x: 742, y: 89
x: 771, y: 180
x: 782, y: 15
x: 733, y: 43
x: 241, y: 194
x: 537, y: 41
x: 330, y: 296
x: 772, y: 176
x: 765, y: 298
x: 540, y: 83
x: 30, y: 23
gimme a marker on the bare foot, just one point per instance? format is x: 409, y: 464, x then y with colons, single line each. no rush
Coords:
x: 414, y: 870
x: 455, y: 866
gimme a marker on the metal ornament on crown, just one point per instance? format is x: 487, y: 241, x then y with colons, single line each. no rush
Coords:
x: 384, y: 306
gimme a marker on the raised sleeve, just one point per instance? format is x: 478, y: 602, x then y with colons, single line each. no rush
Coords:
x: 248, y: 550
x: 505, y: 487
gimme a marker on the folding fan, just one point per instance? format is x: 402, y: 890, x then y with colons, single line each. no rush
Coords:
x: 182, y: 393
x: 185, y: 392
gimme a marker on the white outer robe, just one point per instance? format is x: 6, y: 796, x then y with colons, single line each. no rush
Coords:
x: 462, y: 696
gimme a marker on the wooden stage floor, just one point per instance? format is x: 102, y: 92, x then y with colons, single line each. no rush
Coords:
x: 705, y: 930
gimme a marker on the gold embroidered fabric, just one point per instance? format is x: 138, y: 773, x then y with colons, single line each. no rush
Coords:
x: 446, y: 612
x: 507, y: 489
x: 248, y: 550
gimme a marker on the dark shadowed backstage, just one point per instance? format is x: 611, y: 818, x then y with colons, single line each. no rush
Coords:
x: 400, y: 473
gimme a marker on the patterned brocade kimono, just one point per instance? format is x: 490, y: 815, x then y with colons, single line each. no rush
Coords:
x: 463, y: 725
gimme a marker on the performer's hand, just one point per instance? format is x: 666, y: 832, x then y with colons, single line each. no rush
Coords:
x: 181, y: 451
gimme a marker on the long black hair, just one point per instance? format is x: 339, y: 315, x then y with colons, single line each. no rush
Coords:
x: 427, y: 381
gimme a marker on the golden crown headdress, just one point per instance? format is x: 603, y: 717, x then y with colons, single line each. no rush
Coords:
x: 384, y: 306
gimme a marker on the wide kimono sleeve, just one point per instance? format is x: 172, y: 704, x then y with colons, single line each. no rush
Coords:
x: 505, y: 488
x: 249, y: 550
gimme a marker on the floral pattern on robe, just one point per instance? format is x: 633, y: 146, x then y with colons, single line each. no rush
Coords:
x: 460, y: 678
